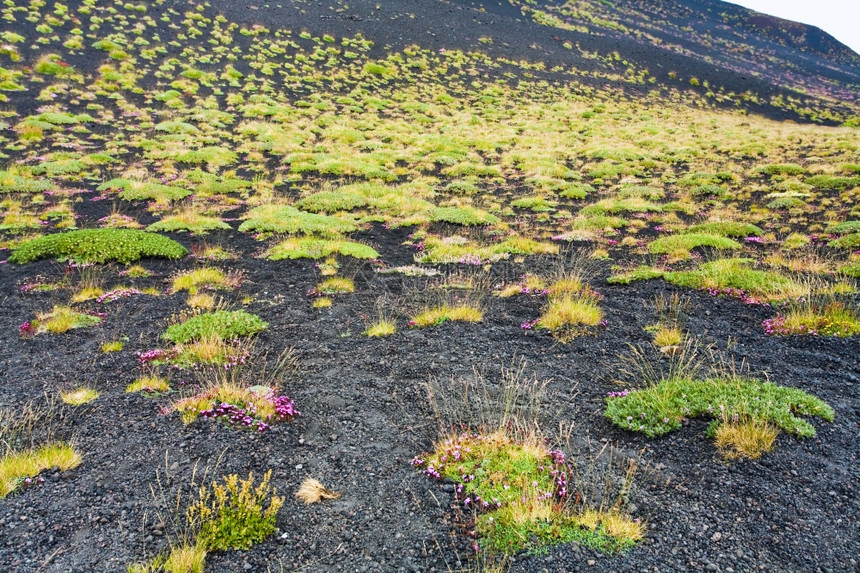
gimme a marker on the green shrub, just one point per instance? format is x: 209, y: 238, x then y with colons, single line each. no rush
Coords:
x: 687, y: 242
x: 98, y: 246
x: 223, y: 324
x: 661, y: 409
x: 235, y: 514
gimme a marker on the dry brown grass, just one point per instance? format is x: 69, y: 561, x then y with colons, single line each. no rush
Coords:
x: 312, y: 491
x: 745, y: 438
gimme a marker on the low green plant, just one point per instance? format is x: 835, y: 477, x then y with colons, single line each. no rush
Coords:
x: 98, y: 246
x: 727, y: 229
x: 851, y: 241
x: 781, y: 169
x: 518, y: 489
x: 112, y: 346
x: 60, y: 319
x: 149, y: 385
x: 334, y: 285
x: 727, y: 274
x: 846, y: 227
x: 309, y: 248
x: 681, y: 245
x: 133, y: 190
x: 734, y: 277
x: 194, y: 223
x: 235, y: 514
x: 203, y: 278
x: 466, y: 216
x: 810, y: 315
x: 660, y: 409
x: 460, y: 250
x: 223, y: 324
x: 833, y: 182
x: 289, y: 220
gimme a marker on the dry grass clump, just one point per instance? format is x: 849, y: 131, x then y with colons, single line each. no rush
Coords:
x: 205, y: 278
x: 312, y: 491
x: 149, y: 384
x: 668, y: 336
x: 202, y: 301
x: 445, y: 313
x: 80, y: 395
x: 745, y: 437
x: 381, y: 328
x: 18, y: 466
x: 112, y: 346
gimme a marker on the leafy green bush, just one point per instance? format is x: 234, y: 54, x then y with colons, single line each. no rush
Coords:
x: 660, y: 409
x: 235, y: 514
x: 98, y: 246
x: 223, y: 324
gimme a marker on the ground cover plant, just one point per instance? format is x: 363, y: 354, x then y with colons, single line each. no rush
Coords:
x: 222, y: 324
x: 354, y: 178
x: 98, y: 246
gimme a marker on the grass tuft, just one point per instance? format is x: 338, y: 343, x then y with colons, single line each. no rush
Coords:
x: 17, y: 466
x: 444, y: 313
x: 80, y: 396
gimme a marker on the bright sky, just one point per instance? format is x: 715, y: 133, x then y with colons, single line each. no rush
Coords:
x: 839, y: 18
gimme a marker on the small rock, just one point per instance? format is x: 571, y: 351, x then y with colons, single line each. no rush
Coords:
x: 716, y: 537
